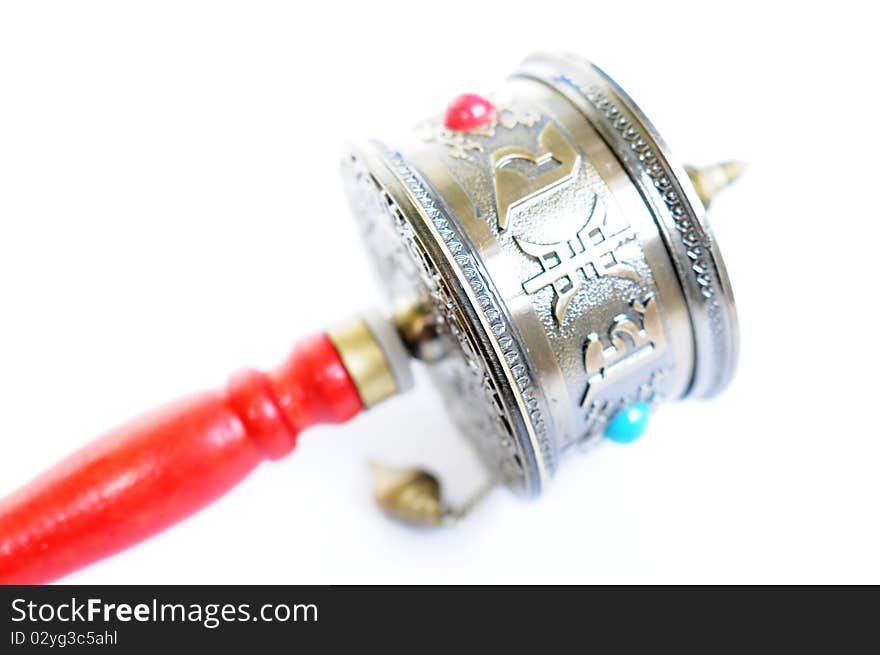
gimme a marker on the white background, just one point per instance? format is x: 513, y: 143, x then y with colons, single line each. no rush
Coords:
x: 170, y: 210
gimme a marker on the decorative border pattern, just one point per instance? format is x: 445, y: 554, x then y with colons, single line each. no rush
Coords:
x: 490, y: 307
x: 685, y: 221
x: 503, y: 454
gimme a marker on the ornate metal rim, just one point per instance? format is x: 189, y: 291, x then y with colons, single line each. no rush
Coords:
x: 476, y: 295
x: 501, y: 330
x: 678, y: 213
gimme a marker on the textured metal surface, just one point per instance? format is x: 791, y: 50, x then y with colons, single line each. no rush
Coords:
x: 566, y: 258
x: 678, y: 212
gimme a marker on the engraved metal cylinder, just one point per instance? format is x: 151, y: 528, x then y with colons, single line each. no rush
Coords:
x: 564, y: 255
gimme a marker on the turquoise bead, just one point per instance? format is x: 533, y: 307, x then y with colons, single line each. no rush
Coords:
x: 629, y: 423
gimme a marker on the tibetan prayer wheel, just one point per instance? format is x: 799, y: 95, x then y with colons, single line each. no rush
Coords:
x: 546, y: 259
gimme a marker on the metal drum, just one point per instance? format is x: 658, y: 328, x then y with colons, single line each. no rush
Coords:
x: 560, y: 260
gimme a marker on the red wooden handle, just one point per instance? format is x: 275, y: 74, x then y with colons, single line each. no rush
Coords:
x: 149, y: 474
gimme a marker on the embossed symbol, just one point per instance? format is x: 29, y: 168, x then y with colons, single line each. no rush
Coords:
x: 631, y: 338
x: 589, y: 254
x: 463, y: 144
x: 521, y: 175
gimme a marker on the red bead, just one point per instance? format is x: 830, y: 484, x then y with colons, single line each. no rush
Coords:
x: 469, y: 111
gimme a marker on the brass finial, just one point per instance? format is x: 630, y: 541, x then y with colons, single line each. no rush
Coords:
x: 712, y: 179
x: 410, y: 495
x: 413, y: 496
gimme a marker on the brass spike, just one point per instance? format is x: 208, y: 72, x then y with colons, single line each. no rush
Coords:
x: 712, y: 179
x: 410, y: 495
